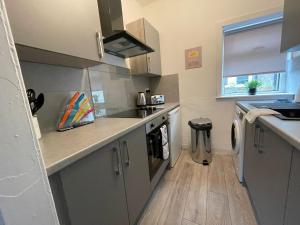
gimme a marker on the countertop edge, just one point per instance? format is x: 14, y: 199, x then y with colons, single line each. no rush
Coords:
x: 59, y: 165
x: 264, y: 119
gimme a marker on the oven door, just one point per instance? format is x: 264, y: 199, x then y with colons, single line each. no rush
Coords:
x: 154, y: 146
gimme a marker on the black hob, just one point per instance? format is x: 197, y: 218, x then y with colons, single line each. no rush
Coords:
x: 136, y: 113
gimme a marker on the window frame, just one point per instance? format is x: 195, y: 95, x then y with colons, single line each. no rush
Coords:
x: 220, y: 46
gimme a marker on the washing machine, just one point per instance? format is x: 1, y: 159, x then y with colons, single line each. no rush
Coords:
x: 238, y: 141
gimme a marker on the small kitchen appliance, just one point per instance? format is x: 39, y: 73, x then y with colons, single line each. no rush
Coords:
x: 141, y: 99
x: 148, y: 97
x: 157, y: 100
x: 117, y: 41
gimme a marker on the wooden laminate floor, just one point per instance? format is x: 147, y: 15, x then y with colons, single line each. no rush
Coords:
x: 193, y: 194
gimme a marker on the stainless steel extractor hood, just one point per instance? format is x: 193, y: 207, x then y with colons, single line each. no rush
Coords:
x: 117, y: 41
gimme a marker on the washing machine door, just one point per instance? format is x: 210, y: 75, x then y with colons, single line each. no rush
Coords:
x: 236, y: 136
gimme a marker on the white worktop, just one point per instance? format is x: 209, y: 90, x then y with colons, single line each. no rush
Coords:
x: 287, y: 129
x: 60, y: 149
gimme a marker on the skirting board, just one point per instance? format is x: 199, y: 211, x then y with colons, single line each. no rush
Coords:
x: 214, y: 150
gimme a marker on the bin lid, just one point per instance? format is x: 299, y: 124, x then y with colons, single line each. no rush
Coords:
x: 201, y: 124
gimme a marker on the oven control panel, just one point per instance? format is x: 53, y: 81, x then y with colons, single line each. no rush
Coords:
x: 156, y: 122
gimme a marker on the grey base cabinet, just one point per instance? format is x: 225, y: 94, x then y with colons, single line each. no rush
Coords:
x: 94, y: 189
x: 267, y: 162
x: 136, y: 172
x: 292, y: 215
x: 108, y: 187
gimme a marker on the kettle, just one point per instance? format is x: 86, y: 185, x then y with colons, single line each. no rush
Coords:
x: 141, y: 99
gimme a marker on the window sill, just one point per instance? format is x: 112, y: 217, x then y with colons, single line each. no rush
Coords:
x: 275, y: 96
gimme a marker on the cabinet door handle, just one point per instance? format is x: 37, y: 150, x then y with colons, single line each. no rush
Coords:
x: 255, y: 136
x: 260, y: 140
x: 127, y: 161
x: 100, y: 44
x: 149, y: 63
x: 116, y: 161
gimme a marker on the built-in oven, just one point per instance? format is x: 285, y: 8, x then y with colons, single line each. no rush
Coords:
x: 154, y: 144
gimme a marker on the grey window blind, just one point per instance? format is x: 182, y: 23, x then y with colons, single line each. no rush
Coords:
x: 253, y: 50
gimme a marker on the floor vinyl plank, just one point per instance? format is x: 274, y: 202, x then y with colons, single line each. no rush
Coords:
x: 173, y: 173
x: 216, y: 180
x: 217, y: 209
x: 174, y: 208
x: 193, y: 194
x: 239, y: 202
x: 195, y: 209
x: 188, y: 222
x: 157, y: 203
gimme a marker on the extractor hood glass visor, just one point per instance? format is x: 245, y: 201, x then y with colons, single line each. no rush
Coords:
x: 125, y: 45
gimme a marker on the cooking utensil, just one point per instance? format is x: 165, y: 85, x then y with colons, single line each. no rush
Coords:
x: 82, y: 113
x: 71, y: 110
x: 75, y: 110
x: 88, y: 112
x: 79, y: 100
x: 31, y: 98
x: 38, y: 103
x: 31, y: 95
x: 84, y: 105
x: 35, y: 103
x: 73, y: 99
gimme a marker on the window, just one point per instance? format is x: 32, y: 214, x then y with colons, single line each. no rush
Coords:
x: 251, y: 51
x: 271, y: 83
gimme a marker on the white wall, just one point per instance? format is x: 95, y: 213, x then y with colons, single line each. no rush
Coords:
x: 25, y: 196
x: 293, y: 72
x: 191, y: 23
x: 132, y: 10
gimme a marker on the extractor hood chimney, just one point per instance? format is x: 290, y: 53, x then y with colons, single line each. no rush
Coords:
x: 117, y: 41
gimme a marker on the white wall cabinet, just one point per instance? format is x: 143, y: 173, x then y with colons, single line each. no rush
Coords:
x: 59, y: 32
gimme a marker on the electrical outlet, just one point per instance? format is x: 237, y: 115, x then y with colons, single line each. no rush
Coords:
x: 1, y: 219
x: 98, y: 97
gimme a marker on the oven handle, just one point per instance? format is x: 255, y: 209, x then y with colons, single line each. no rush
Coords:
x: 166, y: 122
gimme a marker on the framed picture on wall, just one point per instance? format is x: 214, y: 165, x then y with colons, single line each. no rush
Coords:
x: 193, y: 58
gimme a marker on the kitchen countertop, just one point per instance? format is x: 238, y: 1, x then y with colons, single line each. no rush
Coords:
x: 60, y: 149
x: 288, y: 130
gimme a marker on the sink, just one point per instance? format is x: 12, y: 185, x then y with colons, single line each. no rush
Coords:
x: 287, y: 110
